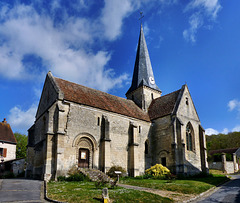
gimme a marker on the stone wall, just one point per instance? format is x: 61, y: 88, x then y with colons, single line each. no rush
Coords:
x: 215, y: 165
x: 18, y: 166
x: 143, y: 96
x: 86, y: 121
x: 219, y: 166
x: 225, y: 166
x: 58, y: 133
x: 162, y: 141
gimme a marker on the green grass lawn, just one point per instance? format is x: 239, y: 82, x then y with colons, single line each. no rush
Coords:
x: 86, y: 192
x: 213, y: 171
x: 186, y: 186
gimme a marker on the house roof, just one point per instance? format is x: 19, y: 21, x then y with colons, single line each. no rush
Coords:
x: 163, y: 105
x: 87, y: 96
x: 6, y: 133
x: 219, y: 151
x: 143, y: 73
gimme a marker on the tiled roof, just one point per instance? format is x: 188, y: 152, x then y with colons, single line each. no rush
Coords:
x: 163, y: 106
x: 219, y: 151
x: 6, y: 133
x: 95, y: 98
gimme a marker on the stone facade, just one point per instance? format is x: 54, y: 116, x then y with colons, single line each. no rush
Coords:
x: 80, y: 126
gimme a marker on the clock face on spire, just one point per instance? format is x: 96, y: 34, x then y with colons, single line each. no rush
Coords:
x: 151, y: 80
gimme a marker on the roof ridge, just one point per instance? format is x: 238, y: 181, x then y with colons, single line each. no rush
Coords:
x: 168, y: 94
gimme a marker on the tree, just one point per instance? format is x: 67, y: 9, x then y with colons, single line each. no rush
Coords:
x: 21, y: 149
x: 223, y: 141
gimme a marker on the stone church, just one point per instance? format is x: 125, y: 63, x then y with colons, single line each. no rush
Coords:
x: 79, y: 126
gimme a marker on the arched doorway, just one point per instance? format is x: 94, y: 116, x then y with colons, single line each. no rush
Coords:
x: 85, y: 146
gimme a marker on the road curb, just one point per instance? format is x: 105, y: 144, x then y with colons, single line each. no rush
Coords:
x: 207, y: 193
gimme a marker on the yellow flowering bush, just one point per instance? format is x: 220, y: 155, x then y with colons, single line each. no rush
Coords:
x: 158, y: 171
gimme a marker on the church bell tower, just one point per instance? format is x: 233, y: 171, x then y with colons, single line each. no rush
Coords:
x: 143, y: 89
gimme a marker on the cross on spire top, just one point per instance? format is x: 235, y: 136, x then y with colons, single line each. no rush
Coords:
x: 141, y: 16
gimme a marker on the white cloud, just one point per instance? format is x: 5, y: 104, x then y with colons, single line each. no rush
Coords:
x: 195, y: 22
x: 225, y: 131
x: 209, y: 7
x: 201, y: 9
x: 211, y: 131
x: 21, y: 119
x: 112, y: 16
x: 146, y: 29
x: 66, y: 54
x: 234, y: 104
x: 236, y: 129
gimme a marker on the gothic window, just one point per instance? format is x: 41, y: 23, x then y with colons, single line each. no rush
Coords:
x: 189, y: 137
x: 152, y: 96
x: 186, y: 101
x: 140, y: 129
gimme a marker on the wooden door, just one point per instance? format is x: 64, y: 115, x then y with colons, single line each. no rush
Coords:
x: 83, y: 160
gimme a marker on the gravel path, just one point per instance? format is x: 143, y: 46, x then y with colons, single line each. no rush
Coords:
x: 177, y: 197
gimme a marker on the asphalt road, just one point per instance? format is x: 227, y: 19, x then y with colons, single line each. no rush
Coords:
x: 227, y: 193
x: 21, y: 190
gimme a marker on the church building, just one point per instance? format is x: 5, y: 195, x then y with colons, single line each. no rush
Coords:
x: 79, y: 126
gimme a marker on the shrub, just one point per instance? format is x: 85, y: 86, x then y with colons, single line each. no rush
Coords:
x: 73, y: 175
x: 73, y: 170
x: 61, y: 178
x: 145, y: 176
x: 8, y: 175
x: 113, y: 183
x: 158, y: 171
x: 102, y: 181
x: 76, y: 177
x: 112, y: 173
x: 20, y: 175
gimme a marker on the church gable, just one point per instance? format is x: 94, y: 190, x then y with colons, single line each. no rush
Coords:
x: 186, y: 107
x: 49, y: 95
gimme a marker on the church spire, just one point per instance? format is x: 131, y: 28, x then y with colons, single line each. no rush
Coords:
x: 143, y: 74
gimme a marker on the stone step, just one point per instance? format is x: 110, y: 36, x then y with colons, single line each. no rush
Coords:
x: 94, y: 174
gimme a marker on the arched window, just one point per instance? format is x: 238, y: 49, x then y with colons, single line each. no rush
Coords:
x: 189, y: 137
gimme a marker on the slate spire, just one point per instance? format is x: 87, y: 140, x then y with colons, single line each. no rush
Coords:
x: 143, y: 73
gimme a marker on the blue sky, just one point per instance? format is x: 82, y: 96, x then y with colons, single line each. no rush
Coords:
x: 94, y: 44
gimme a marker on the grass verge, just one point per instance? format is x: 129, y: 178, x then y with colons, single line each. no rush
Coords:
x: 189, y: 185
x: 86, y: 192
